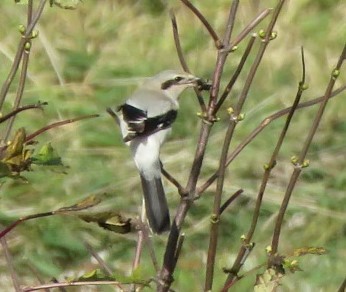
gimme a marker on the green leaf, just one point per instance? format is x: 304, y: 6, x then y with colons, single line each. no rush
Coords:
x: 47, y: 156
x: 96, y: 275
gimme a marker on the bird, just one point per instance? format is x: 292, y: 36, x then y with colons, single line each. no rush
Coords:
x: 145, y: 121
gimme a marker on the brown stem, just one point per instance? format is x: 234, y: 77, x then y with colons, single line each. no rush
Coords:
x: 300, y: 163
x: 22, y: 108
x: 19, y: 53
x: 23, y: 219
x: 220, y: 61
x: 58, y: 124
x: 235, y: 74
x: 343, y: 286
x: 214, y: 229
x: 173, y: 180
x: 242, y: 254
x: 258, y: 19
x: 182, y: 59
x: 10, y: 266
x: 69, y: 284
x: 23, y: 75
x: 205, y: 22
x: 229, y: 134
x: 169, y: 261
x: 266, y: 122
x: 230, y: 200
x: 107, y: 270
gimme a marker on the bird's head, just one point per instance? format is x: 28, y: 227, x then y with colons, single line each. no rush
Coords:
x: 172, y: 82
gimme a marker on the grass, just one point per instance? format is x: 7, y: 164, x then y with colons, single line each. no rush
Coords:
x: 92, y: 57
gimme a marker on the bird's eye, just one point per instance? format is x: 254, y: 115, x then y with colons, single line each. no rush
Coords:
x: 178, y: 78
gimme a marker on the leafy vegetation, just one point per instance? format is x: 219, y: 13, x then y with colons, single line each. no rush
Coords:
x: 92, y: 57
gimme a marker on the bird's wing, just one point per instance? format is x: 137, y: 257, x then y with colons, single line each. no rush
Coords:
x: 139, y: 124
x: 146, y: 112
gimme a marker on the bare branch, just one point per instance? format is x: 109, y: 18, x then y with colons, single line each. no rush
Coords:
x: 107, y: 270
x: 167, y: 175
x: 230, y: 200
x: 19, y: 54
x: 59, y: 124
x: 299, y: 164
x: 10, y: 266
x: 69, y: 284
x: 343, y: 286
x: 39, y: 105
x: 266, y: 122
x: 257, y: 20
x: 235, y: 74
x: 238, y: 263
x: 182, y: 59
x: 205, y: 22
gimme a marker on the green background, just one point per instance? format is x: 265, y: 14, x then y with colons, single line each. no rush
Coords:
x: 93, y: 57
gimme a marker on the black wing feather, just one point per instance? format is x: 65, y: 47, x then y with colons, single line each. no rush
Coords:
x: 139, y: 124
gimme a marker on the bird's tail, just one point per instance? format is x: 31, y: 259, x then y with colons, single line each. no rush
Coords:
x: 156, y: 204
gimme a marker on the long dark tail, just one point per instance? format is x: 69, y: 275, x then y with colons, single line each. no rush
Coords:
x: 156, y: 204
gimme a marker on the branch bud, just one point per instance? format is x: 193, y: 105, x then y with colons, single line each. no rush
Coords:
x: 335, y: 73
x: 303, y: 86
x: 22, y: 29
x: 27, y: 46
x: 241, y: 117
x: 273, y: 35
x: 34, y: 34
x: 268, y: 249
x: 306, y: 163
x: 262, y: 34
x: 294, y: 159
x: 230, y: 110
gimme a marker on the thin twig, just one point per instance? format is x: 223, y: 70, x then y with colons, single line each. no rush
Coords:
x: 173, y: 181
x: 139, y: 249
x: 205, y: 22
x: 150, y: 246
x: 230, y: 200
x: 235, y: 74
x: 216, y: 212
x: 10, y: 266
x: 19, y: 53
x: 213, y: 240
x: 299, y: 164
x: 266, y: 122
x: 36, y: 273
x: 59, y: 124
x: 238, y: 263
x: 23, y: 74
x: 258, y: 19
x: 23, y: 219
x: 22, y: 108
x: 343, y: 286
x: 107, y: 270
x: 177, y: 42
x: 69, y: 284
x: 221, y: 60
x: 182, y: 59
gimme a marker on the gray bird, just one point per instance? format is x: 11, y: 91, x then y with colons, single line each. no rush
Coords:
x: 145, y: 120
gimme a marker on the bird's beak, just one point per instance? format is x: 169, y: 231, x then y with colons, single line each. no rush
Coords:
x: 192, y: 80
